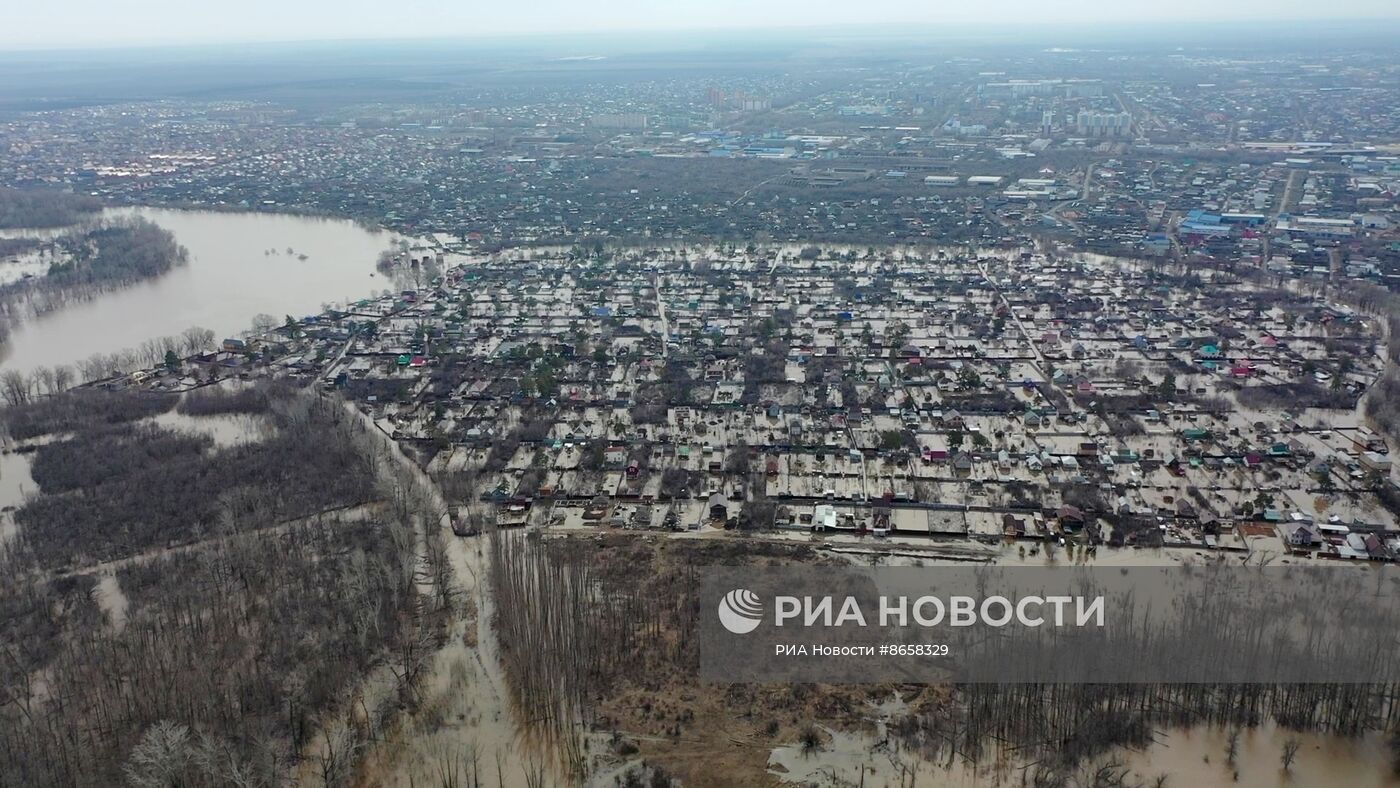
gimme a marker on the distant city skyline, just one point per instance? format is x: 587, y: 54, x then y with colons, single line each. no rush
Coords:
x: 89, y: 23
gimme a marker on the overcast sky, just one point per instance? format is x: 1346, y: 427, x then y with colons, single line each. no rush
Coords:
x: 63, y: 23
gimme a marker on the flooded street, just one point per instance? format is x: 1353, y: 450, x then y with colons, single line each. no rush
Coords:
x: 240, y: 266
x: 471, y: 722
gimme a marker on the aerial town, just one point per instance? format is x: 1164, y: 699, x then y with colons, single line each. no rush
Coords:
x: 923, y: 401
x: 1194, y: 158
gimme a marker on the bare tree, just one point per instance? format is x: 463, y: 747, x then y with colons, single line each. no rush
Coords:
x: 1290, y: 751
x: 44, y: 380
x: 263, y: 324
x: 62, y: 377
x: 341, y: 747
x: 15, y: 387
x: 147, y: 352
x: 196, y: 339
x: 161, y: 758
x: 91, y: 368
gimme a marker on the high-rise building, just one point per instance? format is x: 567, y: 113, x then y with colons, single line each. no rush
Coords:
x: 1091, y: 123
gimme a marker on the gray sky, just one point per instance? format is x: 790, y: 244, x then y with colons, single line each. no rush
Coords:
x: 62, y: 23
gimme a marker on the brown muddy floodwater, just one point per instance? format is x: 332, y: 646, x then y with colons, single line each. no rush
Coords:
x: 1196, y: 758
x: 1188, y: 758
x: 230, y: 278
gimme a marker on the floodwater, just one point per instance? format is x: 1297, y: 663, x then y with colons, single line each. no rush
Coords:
x: 112, y: 601
x: 1185, y: 757
x: 466, y: 714
x: 15, y: 485
x: 15, y: 481
x: 226, y: 429
x: 24, y: 265
x: 1198, y: 757
x: 230, y: 278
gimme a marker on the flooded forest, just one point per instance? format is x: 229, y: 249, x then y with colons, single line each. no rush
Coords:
x: 189, y: 613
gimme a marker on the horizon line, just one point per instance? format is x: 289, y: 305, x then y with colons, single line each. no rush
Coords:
x: 885, y: 29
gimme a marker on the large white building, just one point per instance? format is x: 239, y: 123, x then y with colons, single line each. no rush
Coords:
x: 1090, y: 123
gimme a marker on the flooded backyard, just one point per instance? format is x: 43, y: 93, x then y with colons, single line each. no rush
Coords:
x: 240, y: 265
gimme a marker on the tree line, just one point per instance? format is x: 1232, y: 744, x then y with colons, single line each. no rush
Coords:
x: 81, y: 410
x: 44, y: 208
x: 565, y: 633
x: 222, y: 400
x: 21, y: 388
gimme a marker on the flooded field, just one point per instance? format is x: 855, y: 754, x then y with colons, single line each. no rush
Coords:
x: 241, y: 265
x: 1187, y: 757
x: 1197, y: 757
